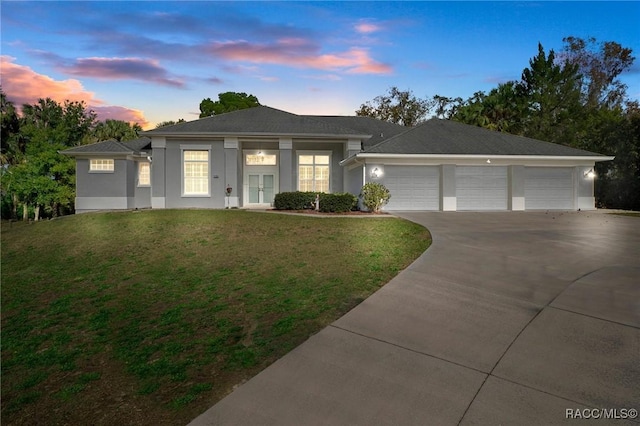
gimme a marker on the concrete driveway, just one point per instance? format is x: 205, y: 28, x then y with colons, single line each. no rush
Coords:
x: 509, y: 318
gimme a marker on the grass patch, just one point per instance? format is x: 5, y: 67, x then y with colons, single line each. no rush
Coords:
x: 165, y: 311
x: 629, y: 214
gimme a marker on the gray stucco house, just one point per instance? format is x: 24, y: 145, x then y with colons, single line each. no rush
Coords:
x: 243, y: 158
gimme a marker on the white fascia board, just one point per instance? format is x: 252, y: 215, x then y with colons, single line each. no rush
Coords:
x: 91, y: 155
x: 480, y: 159
x: 348, y: 160
x: 198, y: 135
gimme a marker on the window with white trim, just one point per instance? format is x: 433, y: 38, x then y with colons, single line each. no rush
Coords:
x: 196, y: 172
x: 313, y: 172
x: 101, y: 165
x: 144, y: 173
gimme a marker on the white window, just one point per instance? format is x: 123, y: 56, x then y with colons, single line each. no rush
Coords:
x: 261, y: 159
x: 101, y: 165
x: 144, y: 174
x: 313, y: 172
x: 196, y: 172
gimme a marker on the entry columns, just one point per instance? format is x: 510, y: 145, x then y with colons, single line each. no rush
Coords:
x: 231, y: 160
x: 158, y: 172
x: 286, y: 165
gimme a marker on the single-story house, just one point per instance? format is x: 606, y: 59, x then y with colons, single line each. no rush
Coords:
x: 243, y: 158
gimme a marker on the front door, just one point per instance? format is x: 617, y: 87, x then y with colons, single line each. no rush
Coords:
x: 260, y: 182
x: 261, y: 188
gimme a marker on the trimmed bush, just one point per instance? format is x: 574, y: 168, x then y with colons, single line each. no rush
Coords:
x: 337, y: 203
x: 374, y: 196
x: 329, y: 203
x: 294, y: 200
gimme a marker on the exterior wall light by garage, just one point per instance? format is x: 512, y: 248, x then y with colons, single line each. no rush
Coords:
x: 590, y: 174
x: 375, y: 173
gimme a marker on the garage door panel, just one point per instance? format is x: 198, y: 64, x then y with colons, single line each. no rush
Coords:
x: 548, y: 188
x: 413, y: 187
x: 481, y: 188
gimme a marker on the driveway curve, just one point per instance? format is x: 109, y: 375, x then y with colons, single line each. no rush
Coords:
x: 508, y: 318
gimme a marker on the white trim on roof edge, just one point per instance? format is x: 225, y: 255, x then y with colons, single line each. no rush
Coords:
x: 209, y: 135
x: 466, y: 158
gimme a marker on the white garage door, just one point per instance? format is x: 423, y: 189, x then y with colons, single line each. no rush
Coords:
x: 413, y: 187
x: 548, y: 188
x: 481, y: 188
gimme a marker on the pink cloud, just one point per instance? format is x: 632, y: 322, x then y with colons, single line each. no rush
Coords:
x: 121, y: 113
x: 22, y: 85
x: 367, y: 28
x: 301, y: 54
x: 366, y: 65
x: 122, y: 68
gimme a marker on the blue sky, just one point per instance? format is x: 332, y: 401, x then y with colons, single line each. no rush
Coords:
x: 155, y: 61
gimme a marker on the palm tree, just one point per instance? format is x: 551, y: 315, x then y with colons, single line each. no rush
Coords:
x: 116, y: 129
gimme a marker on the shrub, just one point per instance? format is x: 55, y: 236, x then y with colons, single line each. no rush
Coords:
x: 337, y: 203
x: 375, y: 196
x: 294, y: 200
x: 329, y: 203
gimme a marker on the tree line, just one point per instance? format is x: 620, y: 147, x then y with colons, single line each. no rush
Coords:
x: 35, y: 178
x: 573, y: 97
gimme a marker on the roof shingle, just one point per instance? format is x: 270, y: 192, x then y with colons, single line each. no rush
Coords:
x: 111, y: 146
x: 258, y: 120
x: 448, y: 137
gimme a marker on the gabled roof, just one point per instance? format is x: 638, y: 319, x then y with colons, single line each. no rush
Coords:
x: 260, y: 120
x: 111, y: 146
x: 446, y: 137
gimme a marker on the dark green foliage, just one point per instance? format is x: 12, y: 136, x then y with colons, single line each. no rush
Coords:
x: 295, y: 200
x: 115, y: 129
x: 169, y: 123
x: 574, y: 99
x: 227, y: 102
x: 35, y: 175
x: 337, y: 203
x: 396, y: 106
x: 328, y: 203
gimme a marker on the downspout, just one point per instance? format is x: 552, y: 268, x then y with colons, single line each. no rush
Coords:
x: 364, y: 173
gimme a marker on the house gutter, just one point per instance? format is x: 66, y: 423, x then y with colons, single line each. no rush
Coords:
x: 198, y: 135
x: 364, y: 156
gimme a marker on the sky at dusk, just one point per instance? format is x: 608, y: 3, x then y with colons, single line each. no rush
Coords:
x: 155, y: 61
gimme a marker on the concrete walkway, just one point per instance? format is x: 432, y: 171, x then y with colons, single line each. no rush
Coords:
x: 509, y: 318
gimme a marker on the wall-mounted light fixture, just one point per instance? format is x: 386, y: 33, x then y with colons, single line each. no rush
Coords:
x: 376, y: 173
x: 590, y: 174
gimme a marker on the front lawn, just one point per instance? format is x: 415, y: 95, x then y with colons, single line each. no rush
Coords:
x: 151, y: 317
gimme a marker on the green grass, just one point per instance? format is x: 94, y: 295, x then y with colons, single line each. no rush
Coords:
x: 165, y: 311
x: 629, y: 214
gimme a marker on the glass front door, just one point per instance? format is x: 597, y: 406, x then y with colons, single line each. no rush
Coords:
x: 261, y: 188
